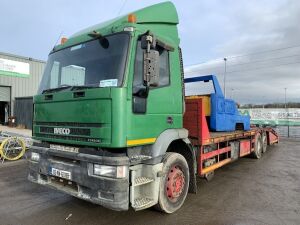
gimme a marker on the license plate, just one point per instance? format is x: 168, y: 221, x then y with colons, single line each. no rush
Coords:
x: 60, y: 173
x: 64, y: 148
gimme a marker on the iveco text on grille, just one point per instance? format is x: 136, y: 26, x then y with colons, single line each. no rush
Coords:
x: 65, y: 131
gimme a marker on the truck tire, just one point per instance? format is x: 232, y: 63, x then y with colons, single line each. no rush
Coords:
x: 264, y: 142
x: 257, y: 147
x: 174, y: 183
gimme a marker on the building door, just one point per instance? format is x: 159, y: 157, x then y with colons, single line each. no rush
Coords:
x: 5, y: 100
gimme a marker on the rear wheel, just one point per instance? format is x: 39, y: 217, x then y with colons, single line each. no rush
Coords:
x: 257, y: 147
x: 174, y: 183
x: 264, y: 142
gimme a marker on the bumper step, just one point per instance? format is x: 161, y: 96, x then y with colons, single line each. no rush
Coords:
x: 142, y: 180
x: 141, y: 203
x: 144, y: 187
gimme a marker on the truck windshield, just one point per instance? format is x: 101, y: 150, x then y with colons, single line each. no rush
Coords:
x: 89, y: 64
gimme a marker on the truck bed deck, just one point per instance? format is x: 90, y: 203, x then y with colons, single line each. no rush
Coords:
x: 230, y: 135
x: 195, y: 122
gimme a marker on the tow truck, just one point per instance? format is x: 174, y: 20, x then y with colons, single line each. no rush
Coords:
x: 113, y: 125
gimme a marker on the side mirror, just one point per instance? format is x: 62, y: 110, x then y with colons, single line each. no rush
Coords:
x: 151, y: 68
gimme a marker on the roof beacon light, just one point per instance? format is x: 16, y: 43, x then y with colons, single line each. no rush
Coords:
x: 131, y: 18
x: 63, y: 40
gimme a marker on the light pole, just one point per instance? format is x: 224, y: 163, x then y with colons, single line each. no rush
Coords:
x: 285, y: 98
x: 225, y: 60
x: 231, y: 95
x: 287, y: 114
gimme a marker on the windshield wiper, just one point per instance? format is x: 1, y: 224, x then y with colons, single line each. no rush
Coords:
x: 79, y: 87
x: 72, y: 88
x: 62, y: 87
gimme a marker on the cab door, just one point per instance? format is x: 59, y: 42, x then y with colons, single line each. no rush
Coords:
x: 161, y: 109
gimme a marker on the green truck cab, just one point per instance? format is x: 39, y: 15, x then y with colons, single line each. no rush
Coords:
x: 110, y: 109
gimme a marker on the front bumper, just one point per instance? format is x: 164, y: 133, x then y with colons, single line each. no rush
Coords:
x: 112, y: 193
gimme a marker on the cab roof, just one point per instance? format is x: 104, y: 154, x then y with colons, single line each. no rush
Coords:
x: 159, y: 14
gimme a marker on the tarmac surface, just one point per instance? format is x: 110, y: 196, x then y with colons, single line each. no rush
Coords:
x: 249, y: 191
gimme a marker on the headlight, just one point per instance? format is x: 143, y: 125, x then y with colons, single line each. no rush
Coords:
x: 35, y: 156
x: 110, y: 171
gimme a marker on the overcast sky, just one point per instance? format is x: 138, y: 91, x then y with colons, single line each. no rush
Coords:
x: 260, y: 39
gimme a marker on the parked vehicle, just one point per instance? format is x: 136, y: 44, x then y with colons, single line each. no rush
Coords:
x: 112, y: 124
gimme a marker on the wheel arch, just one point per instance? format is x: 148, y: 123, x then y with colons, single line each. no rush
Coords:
x: 176, y: 140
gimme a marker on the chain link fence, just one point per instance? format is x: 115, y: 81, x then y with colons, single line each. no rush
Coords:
x: 285, y: 121
x: 288, y: 131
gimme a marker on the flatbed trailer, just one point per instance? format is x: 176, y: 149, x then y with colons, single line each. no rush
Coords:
x: 216, y: 149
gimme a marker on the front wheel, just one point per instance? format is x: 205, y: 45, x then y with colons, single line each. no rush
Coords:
x: 174, y: 183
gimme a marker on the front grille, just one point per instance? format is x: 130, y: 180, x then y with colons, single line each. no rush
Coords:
x: 73, y: 131
x: 67, y: 124
x: 72, y: 138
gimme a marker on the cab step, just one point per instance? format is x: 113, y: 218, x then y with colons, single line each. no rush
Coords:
x: 144, y: 188
x: 141, y: 203
x: 142, y: 180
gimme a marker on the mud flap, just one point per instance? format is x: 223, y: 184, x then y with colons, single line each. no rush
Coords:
x: 193, y: 183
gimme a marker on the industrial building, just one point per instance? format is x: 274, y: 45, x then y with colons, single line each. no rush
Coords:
x: 19, y: 81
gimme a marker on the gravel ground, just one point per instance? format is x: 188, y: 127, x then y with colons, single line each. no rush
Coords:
x: 249, y: 191
x: 15, y: 130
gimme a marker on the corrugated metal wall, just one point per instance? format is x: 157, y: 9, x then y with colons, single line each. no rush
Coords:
x: 23, y: 111
x: 4, y: 94
x: 22, y: 86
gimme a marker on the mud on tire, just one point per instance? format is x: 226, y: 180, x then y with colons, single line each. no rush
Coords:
x: 174, y: 183
x: 264, y: 142
x: 258, y: 147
